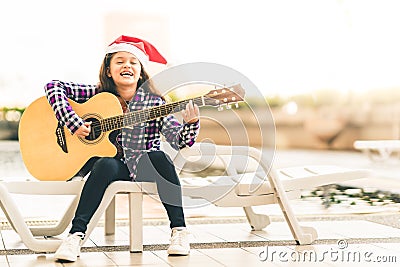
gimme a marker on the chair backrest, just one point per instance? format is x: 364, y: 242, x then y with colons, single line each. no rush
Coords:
x: 204, y: 159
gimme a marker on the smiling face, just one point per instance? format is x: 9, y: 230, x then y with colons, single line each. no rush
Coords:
x: 125, y: 70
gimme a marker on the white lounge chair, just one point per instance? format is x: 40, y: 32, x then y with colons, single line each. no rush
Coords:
x: 378, y: 150
x: 243, y: 184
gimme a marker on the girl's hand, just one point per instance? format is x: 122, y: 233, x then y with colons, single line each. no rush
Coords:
x: 84, y: 130
x: 191, y: 113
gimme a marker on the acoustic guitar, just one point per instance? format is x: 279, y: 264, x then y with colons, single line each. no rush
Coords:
x: 51, y: 153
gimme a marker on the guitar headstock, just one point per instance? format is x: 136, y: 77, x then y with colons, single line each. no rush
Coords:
x: 225, y: 96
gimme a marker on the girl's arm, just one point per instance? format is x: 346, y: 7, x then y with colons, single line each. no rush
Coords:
x: 58, y: 92
x: 177, y: 134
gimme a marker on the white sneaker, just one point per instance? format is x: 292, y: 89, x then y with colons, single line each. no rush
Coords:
x: 70, y: 248
x: 179, y: 242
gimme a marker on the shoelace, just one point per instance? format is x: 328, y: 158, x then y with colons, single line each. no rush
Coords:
x: 70, y: 244
x: 177, y: 237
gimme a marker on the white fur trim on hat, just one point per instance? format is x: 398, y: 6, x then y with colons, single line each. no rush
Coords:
x: 138, y: 53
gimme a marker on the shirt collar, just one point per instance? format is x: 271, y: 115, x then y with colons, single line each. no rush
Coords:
x: 140, y: 95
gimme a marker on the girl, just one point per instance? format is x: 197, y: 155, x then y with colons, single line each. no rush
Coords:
x: 122, y: 73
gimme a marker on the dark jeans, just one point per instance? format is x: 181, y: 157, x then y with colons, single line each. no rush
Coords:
x: 153, y: 166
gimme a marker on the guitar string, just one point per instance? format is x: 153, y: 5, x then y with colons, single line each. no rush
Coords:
x: 143, y: 115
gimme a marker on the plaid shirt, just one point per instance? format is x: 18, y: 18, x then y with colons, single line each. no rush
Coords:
x: 136, y: 140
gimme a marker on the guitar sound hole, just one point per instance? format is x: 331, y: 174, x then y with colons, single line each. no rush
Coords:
x: 95, y: 129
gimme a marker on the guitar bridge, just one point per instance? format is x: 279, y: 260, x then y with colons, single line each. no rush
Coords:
x: 60, y: 134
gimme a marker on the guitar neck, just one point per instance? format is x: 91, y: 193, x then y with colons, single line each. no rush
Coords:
x: 135, y: 117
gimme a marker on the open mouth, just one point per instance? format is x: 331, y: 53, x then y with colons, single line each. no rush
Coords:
x: 126, y: 74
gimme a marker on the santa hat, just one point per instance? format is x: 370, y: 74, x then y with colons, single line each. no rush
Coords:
x: 141, y: 49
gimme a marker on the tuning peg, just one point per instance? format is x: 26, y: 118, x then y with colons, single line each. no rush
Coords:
x: 220, y: 108
x: 237, y: 105
x: 228, y: 106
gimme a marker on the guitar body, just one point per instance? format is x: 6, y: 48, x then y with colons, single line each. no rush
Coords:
x: 51, y: 152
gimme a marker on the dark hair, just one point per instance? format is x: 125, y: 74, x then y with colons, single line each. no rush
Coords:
x: 107, y: 83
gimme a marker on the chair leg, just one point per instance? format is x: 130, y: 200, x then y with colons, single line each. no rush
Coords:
x: 104, y: 204
x: 109, y: 221
x: 16, y: 219
x: 256, y: 221
x: 62, y: 224
x: 302, y: 234
x: 136, y: 222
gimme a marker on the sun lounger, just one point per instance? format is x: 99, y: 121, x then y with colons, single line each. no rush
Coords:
x: 378, y: 150
x: 247, y: 180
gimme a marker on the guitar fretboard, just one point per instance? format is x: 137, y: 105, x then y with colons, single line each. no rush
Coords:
x: 135, y: 117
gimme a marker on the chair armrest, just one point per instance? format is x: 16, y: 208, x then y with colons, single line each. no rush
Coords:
x: 45, y: 187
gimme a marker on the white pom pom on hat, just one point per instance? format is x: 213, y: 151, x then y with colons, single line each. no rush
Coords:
x: 141, y: 49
